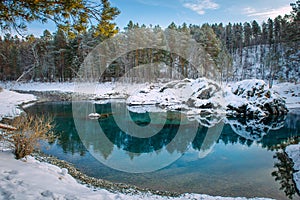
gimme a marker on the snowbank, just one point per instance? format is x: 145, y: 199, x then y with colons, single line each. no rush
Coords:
x: 10, y: 101
x: 293, y: 152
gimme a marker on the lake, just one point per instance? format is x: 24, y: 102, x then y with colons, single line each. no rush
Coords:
x: 167, y: 151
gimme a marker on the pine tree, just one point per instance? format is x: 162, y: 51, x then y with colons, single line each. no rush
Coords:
x: 172, y: 26
x: 229, y: 37
x: 264, y: 36
x: 71, y: 16
x: 256, y: 32
x: 60, y: 53
x: 247, y: 34
x: 270, y: 31
x: 105, y: 26
x: 277, y: 29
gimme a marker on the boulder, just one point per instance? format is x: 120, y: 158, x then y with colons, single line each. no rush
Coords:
x: 253, y: 98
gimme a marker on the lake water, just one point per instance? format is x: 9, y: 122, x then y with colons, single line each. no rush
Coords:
x: 238, y: 158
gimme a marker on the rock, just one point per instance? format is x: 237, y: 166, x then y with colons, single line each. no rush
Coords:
x: 253, y: 98
x: 181, y: 94
x: 94, y: 115
x: 185, y: 95
x: 97, y: 115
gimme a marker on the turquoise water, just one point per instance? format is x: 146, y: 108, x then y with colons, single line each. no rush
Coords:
x: 175, y: 154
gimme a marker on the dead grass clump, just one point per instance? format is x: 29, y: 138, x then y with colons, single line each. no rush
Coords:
x: 30, y: 130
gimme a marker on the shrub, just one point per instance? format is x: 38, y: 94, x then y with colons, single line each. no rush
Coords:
x: 30, y: 130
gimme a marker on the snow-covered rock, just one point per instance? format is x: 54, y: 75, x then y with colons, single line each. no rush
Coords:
x: 293, y: 152
x: 94, y: 115
x: 253, y: 98
x: 201, y: 99
x: 181, y: 94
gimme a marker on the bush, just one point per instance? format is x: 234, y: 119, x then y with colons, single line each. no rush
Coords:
x: 30, y: 130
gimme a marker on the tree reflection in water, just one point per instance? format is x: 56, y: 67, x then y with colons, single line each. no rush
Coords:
x: 270, y: 133
x: 284, y: 174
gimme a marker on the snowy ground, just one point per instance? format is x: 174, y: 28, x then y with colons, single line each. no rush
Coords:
x: 290, y: 92
x: 36, y: 180
x: 10, y: 100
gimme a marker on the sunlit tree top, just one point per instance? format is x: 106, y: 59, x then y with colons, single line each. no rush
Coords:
x: 72, y: 16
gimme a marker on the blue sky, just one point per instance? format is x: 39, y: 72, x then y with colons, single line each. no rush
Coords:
x: 163, y: 12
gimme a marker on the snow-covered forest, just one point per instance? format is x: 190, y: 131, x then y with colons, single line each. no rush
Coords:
x: 267, y: 51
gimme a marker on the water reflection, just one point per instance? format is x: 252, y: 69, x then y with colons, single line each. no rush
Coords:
x: 284, y: 174
x: 118, y: 147
x: 255, y: 129
x: 269, y: 132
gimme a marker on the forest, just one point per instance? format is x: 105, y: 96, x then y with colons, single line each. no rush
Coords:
x: 267, y: 51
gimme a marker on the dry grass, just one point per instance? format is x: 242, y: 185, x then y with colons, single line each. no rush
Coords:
x: 30, y: 130
x: 1, y: 89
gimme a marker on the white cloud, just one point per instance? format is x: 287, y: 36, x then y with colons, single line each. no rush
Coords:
x: 200, y: 6
x: 265, y: 14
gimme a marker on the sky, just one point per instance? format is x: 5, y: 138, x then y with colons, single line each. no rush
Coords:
x: 163, y: 12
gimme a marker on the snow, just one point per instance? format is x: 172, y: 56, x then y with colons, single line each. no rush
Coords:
x: 290, y: 92
x: 10, y: 101
x: 39, y: 86
x: 293, y: 152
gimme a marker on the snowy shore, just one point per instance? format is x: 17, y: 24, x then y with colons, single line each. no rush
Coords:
x: 10, y: 101
x: 37, y: 180
x: 31, y: 179
x: 290, y: 92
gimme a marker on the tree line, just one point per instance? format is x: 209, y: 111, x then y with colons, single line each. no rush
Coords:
x: 268, y: 51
